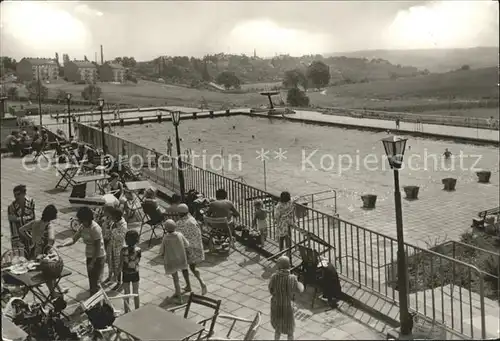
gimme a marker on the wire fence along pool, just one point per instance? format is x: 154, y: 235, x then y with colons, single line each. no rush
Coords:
x: 438, y: 284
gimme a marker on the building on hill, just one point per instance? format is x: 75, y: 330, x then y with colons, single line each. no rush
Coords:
x: 79, y: 70
x: 28, y: 69
x: 111, y: 72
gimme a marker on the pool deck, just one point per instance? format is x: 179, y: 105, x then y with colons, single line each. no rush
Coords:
x: 461, y: 134
x: 239, y: 280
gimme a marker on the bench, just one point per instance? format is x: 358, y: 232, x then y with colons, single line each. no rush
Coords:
x: 479, y: 222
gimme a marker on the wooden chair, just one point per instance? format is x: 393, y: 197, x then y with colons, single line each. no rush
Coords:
x: 311, y: 270
x: 252, y: 329
x: 211, y: 303
x: 153, y: 218
x: 216, y: 228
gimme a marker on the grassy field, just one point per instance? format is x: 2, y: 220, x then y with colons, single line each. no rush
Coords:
x: 260, y: 86
x: 440, y: 94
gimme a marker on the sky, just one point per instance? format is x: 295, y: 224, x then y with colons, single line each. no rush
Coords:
x: 147, y: 29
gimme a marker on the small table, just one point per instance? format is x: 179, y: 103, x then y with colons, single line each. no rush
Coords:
x: 99, y: 179
x: 151, y: 322
x: 136, y: 186
x: 12, y: 332
x: 33, y: 280
x: 67, y: 173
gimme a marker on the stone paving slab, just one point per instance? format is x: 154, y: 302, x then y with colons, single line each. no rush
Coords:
x: 240, y: 284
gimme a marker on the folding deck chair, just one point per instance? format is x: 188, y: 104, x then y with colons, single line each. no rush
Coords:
x: 40, y: 151
x: 101, y: 297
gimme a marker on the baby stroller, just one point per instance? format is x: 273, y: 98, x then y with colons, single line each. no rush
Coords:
x: 217, y: 233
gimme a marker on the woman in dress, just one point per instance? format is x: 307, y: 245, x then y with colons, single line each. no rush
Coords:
x: 40, y: 232
x: 285, y: 219
x: 173, y: 252
x: 282, y: 286
x: 118, y: 229
x: 91, y: 233
x: 188, y: 226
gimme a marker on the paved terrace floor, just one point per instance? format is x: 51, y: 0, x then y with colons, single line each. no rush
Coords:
x: 240, y: 281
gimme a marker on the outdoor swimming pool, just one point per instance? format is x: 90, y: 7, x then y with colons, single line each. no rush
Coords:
x: 314, y: 158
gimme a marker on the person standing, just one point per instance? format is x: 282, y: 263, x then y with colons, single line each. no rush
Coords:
x: 397, y: 122
x: 40, y: 232
x: 169, y: 147
x: 21, y: 211
x: 173, y: 251
x: 195, y: 254
x: 118, y: 230
x: 260, y: 220
x: 91, y: 233
x: 129, y: 264
x: 285, y: 219
x: 282, y: 286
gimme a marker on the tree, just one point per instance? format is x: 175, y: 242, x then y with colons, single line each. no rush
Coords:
x: 297, y: 98
x: 33, y: 94
x: 125, y: 61
x: 294, y: 78
x: 228, y: 79
x: 318, y: 74
x: 205, y: 75
x: 91, y: 92
x: 13, y: 93
x: 6, y: 64
x: 465, y: 67
x: 61, y: 95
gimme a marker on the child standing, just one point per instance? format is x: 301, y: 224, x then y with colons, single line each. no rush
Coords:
x: 173, y: 250
x: 129, y: 264
x: 260, y: 220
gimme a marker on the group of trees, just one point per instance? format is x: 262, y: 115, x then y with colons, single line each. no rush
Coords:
x: 7, y: 64
x: 125, y: 61
x: 316, y: 75
x: 228, y: 79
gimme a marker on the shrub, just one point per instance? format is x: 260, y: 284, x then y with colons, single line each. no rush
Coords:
x: 297, y: 98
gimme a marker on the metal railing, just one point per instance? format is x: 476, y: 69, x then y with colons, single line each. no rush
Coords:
x: 418, y: 119
x: 444, y: 290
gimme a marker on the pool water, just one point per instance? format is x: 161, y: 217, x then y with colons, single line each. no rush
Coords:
x: 359, y: 163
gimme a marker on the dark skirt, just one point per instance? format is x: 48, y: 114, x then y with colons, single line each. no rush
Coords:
x: 130, y: 277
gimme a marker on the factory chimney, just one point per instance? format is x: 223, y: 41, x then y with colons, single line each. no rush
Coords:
x: 102, y: 56
x: 95, y: 58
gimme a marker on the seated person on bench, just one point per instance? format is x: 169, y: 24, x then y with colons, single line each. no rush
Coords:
x: 25, y: 144
x: 12, y: 143
x: 115, y: 186
x: 222, y: 207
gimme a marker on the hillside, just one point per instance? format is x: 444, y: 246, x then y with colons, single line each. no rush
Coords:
x: 434, y: 60
x: 192, y: 71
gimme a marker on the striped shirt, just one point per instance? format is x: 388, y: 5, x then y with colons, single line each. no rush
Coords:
x: 25, y: 213
x: 282, y: 287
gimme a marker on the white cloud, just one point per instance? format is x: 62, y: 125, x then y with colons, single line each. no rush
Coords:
x: 87, y: 10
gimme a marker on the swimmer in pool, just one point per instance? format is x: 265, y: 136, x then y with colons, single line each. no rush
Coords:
x: 447, y: 154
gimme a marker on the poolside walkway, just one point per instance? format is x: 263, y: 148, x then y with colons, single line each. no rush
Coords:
x: 240, y: 281
x: 405, y: 127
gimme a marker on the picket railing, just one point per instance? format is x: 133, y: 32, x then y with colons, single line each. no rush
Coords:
x: 442, y: 289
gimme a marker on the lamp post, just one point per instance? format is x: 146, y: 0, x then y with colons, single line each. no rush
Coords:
x: 100, y: 102
x: 3, y: 109
x: 176, y: 119
x: 39, y: 97
x: 394, y: 148
x: 68, y: 100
